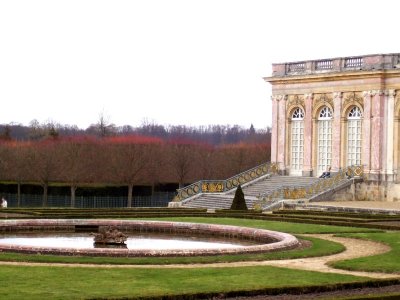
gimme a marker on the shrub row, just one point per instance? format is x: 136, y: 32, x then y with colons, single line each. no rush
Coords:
x: 179, y: 212
x: 308, y: 221
x: 339, y: 214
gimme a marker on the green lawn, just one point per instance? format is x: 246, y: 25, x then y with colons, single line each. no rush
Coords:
x: 294, y: 228
x: 388, y: 262
x: 81, y: 283
x: 34, y: 282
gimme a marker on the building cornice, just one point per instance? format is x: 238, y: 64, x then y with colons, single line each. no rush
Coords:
x: 334, y: 76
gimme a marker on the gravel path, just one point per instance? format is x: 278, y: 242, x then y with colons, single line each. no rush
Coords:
x: 354, y: 248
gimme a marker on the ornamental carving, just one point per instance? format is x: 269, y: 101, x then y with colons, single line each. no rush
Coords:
x: 391, y: 93
x: 337, y: 95
x: 279, y: 97
x: 397, y: 103
x: 295, y: 100
x: 353, y: 98
x: 323, y: 99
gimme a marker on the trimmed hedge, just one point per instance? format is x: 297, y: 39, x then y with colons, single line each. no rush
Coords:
x: 339, y: 214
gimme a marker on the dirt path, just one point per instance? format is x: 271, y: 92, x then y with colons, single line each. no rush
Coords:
x: 354, y: 248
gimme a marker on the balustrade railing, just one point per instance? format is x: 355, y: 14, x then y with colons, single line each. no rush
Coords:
x: 372, y: 62
x: 353, y: 62
x: 222, y: 186
x: 322, y: 185
x: 324, y: 65
x: 296, y: 67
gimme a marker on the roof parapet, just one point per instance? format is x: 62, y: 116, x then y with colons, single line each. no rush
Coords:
x: 341, y: 64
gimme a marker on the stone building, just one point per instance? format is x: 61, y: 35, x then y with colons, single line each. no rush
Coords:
x: 336, y: 113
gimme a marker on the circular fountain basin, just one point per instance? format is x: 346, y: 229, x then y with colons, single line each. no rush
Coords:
x: 225, y: 239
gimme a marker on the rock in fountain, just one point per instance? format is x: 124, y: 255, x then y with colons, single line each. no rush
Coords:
x: 110, y: 236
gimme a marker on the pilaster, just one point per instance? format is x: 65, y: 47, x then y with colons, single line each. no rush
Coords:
x: 281, y: 153
x: 366, y: 132
x: 390, y: 135
x: 377, y: 117
x: 274, y: 130
x: 307, y: 161
x: 336, y: 131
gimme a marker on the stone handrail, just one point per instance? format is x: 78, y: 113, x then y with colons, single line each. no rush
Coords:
x: 322, y: 185
x: 221, y: 186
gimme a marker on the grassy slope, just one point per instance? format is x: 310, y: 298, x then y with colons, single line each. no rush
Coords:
x: 74, y: 283
x: 387, y: 262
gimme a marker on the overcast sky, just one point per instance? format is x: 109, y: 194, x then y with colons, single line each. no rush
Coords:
x: 171, y: 62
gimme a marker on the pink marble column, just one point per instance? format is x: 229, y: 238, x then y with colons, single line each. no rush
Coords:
x: 366, y: 132
x: 274, y: 130
x: 336, y: 131
x: 377, y: 112
x: 281, y: 149
x: 307, y: 162
x: 390, y: 134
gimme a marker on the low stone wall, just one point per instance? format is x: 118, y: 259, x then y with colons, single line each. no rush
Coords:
x: 359, y: 190
x: 377, y: 191
x: 269, y: 240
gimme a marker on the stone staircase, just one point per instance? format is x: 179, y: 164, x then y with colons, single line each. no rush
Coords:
x: 251, y: 192
x: 275, y: 182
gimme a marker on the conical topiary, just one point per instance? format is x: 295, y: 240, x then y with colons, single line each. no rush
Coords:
x: 238, y: 202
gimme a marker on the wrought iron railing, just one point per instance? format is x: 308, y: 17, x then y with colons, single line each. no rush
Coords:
x: 222, y: 186
x: 322, y: 185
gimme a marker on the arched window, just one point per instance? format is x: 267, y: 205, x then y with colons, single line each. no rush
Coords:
x: 354, y: 127
x: 297, y: 142
x: 298, y: 114
x: 355, y: 113
x: 325, y: 113
x: 324, y: 139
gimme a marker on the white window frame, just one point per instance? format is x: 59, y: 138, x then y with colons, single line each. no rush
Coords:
x: 297, y: 142
x: 324, y: 136
x: 354, y: 136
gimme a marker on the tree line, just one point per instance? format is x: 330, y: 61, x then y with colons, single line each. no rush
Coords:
x: 210, y: 134
x: 127, y: 159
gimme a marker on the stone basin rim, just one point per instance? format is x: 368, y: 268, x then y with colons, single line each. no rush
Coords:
x: 269, y: 240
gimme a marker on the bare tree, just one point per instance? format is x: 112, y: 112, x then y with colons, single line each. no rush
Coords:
x: 44, y: 165
x: 76, y: 157
x: 182, y: 157
x: 128, y: 163
x: 104, y: 126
